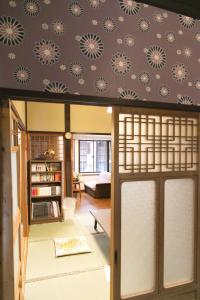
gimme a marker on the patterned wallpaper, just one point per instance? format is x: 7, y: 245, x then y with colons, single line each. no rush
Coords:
x: 114, y: 48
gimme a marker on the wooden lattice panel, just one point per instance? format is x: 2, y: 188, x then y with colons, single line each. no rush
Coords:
x: 39, y: 143
x: 157, y: 143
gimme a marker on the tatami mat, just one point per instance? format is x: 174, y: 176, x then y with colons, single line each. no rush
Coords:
x: 81, y: 225
x: 86, y: 286
x: 71, y: 277
x: 87, y: 220
x: 59, y: 229
x: 42, y: 261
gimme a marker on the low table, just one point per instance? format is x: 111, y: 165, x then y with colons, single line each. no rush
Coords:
x: 103, y: 218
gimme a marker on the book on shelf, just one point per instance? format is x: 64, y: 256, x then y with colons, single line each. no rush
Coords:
x: 53, y: 167
x: 38, y: 167
x: 49, y: 177
x: 57, y: 176
x: 45, y: 209
x: 46, y: 167
x: 39, y: 191
x: 55, y: 209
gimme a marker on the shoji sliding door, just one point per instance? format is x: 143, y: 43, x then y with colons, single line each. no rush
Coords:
x: 155, y: 205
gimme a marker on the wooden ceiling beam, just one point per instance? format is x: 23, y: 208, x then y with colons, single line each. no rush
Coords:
x: 37, y: 96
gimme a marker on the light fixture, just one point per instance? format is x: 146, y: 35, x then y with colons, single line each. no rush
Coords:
x: 68, y: 135
x: 109, y: 110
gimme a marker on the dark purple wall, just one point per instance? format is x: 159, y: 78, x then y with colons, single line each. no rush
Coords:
x: 114, y: 48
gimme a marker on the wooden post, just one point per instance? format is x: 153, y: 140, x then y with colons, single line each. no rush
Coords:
x: 68, y: 154
x: 6, y: 219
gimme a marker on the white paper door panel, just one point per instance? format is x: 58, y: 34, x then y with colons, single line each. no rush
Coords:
x: 138, y: 237
x: 179, y: 199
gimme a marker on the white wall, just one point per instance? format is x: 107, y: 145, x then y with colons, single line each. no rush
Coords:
x: 84, y: 119
x: 90, y: 119
x: 45, y: 117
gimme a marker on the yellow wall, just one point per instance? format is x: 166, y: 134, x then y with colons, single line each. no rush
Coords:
x: 90, y: 119
x: 84, y: 119
x: 21, y: 109
x: 45, y: 117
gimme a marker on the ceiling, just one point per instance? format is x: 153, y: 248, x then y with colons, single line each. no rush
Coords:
x: 100, y: 48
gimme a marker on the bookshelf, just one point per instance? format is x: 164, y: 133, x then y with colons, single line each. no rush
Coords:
x: 45, y: 191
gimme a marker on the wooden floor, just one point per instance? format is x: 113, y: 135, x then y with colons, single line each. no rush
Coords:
x: 87, y: 202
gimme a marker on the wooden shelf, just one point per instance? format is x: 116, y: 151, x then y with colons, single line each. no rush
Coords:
x: 53, y: 196
x: 47, y: 182
x: 44, y: 172
x: 34, y: 200
x: 37, y: 161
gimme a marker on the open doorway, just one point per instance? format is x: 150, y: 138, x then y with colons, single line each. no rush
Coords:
x: 51, y: 273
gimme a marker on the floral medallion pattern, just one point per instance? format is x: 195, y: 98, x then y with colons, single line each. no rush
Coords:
x: 94, y: 3
x: 76, y: 69
x: 12, y: 3
x: 109, y: 24
x: 159, y: 18
x: 11, y: 55
x: 120, y: 63
x: 11, y: 31
x: 58, y: 27
x: 22, y: 75
x: 144, y: 77
x: 101, y: 84
x: 91, y: 45
x: 156, y: 57
x: 111, y: 48
x: 143, y: 25
x: 179, y: 72
x: 171, y: 37
x: 128, y: 94
x: 31, y: 8
x: 197, y: 37
x: 187, y: 52
x: 186, y: 22
x: 129, y: 7
x: 129, y: 40
x: 197, y: 85
x: 185, y: 100
x: 56, y: 87
x: 75, y: 9
x: 47, y: 52
x: 164, y: 91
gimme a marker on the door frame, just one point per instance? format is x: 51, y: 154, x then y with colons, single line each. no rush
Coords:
x: 6, y: 240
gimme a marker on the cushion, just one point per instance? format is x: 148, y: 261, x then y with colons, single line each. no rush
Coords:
x: 91, y: 184
x: 105, y: 177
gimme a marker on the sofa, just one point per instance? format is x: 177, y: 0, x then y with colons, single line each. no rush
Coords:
x: 100, y: 188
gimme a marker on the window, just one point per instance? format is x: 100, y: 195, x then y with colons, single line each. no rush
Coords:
x: 94, y: 156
